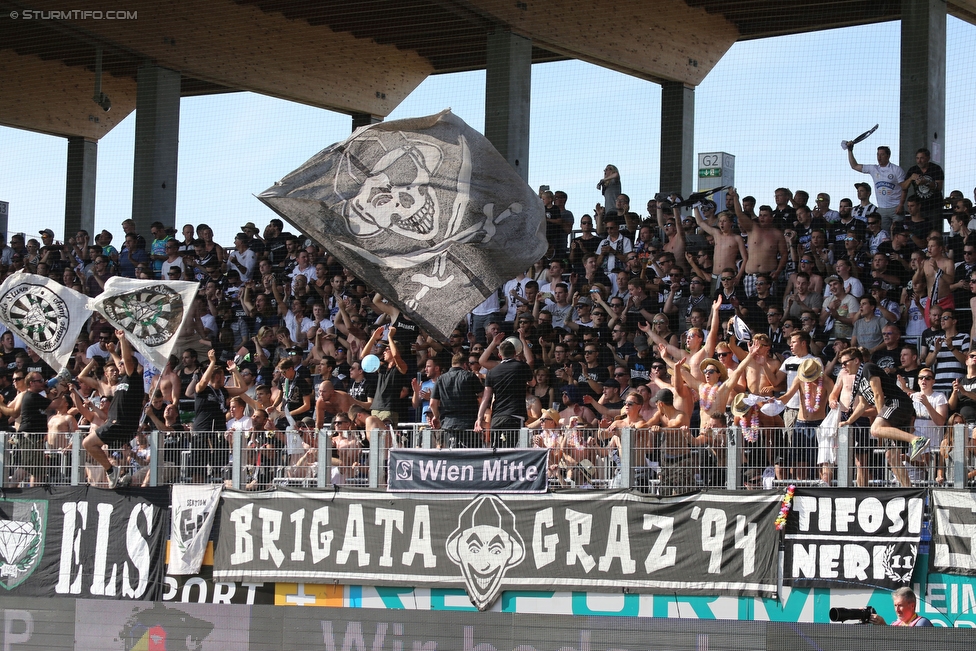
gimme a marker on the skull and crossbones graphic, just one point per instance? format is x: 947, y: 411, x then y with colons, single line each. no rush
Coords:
x: 395, y: 196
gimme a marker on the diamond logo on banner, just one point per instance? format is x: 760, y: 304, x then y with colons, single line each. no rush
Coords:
x: 21, y: 540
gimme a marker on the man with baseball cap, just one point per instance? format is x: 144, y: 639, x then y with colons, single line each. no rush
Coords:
x: 864, y: 206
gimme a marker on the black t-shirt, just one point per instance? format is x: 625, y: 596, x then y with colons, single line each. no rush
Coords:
x: 389, y: 385
x: 186, y: 379
x: 508, y: 380
x: 10, y: 358
x: 40, y: 366
x: 363, y: 390
x: 297, y: 388
x: 838, y: 231
x: 756, y: 307
x: 895, y: 267
x: 406, y: 334
x: 922, y: 229
x: 125, y: 410
x: 598, y: 374
x: 885, y: 359
x: 888, y: 385
x: 210, y: 406
x: 969, y: 384
x: 457, y: 392
x: 33, y: 412
x: 929, y: 196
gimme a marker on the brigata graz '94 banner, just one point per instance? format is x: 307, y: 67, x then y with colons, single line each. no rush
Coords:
x: 850, y: 537
x: 713, y: 543
x: 82, y: 542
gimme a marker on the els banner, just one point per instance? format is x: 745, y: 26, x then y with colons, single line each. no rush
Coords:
x: 82, y: 542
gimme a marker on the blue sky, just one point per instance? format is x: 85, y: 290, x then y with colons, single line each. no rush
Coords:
x: 781, y: 106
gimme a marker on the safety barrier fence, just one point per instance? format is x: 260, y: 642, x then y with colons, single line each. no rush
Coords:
x: 656, y: 461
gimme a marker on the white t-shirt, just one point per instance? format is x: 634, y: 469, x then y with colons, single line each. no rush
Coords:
x: 923, y: 419
x: 791, y: 366
x: 249, y: 258
x: 519, y: 287
x: 852, y: 286
x: 887, y: 183
x: 167, y: 265
x: 916, y: 318
x: 621, y: 245
x: 95, y: 350
x: 294, y: 327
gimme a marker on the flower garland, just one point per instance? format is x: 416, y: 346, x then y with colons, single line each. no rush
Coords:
x: 707, y: 394
x: 815, y: 407
x: 751, y: 430
x: 784, y: 510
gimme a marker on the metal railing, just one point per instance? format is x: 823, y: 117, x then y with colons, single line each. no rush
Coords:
x: 653, y: 461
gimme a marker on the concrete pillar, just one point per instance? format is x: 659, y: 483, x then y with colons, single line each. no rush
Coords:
x: 79, y: 195
x: 364, y: 119
x: 156, y: 147
x: 677, y: 138
x: 508, y: 86
x: 923, y: 78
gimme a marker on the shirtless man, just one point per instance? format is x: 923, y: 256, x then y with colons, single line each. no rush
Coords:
x: 937, y: 273
x: 331, y: 401
x: 762, y: 376
x: 696, y: 344
x: 767, y: 245
x: 716, y: 390
x: 814, y: 387
x: 670, y: 427
x: 729, y: 246
x: 671, y: 227
x: 60, y: 424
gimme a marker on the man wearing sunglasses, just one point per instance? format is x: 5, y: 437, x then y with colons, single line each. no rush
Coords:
x: 873, y: 388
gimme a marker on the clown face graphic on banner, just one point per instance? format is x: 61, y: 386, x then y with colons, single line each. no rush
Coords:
x: 485, y: 546
x: 424, y: 210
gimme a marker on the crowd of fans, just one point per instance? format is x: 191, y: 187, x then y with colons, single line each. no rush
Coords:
x: 675, y: 325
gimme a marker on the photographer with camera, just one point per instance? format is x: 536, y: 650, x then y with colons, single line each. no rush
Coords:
x: 904, y: 600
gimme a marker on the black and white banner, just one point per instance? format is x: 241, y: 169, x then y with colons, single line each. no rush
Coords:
x: 82, y: 542
x: 151, y: 312
x: 953, y: 532
x: 44, y: 313
x: 850, y: 537
x: 521, y: 470
x: 701, y: 543
x: 424, y: 209
x: 193, y: 509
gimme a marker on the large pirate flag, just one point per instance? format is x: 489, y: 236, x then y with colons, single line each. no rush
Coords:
x: 47, y: 315
x: 425, y: 210
x: 150, y: 311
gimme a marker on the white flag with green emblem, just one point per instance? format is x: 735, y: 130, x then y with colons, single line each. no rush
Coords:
x: 151, y: 312
x: 192, y: 513
x: 44, y: 313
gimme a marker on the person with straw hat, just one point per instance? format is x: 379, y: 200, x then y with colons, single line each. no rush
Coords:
x: 714, y: 392
x: 814, y: 387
